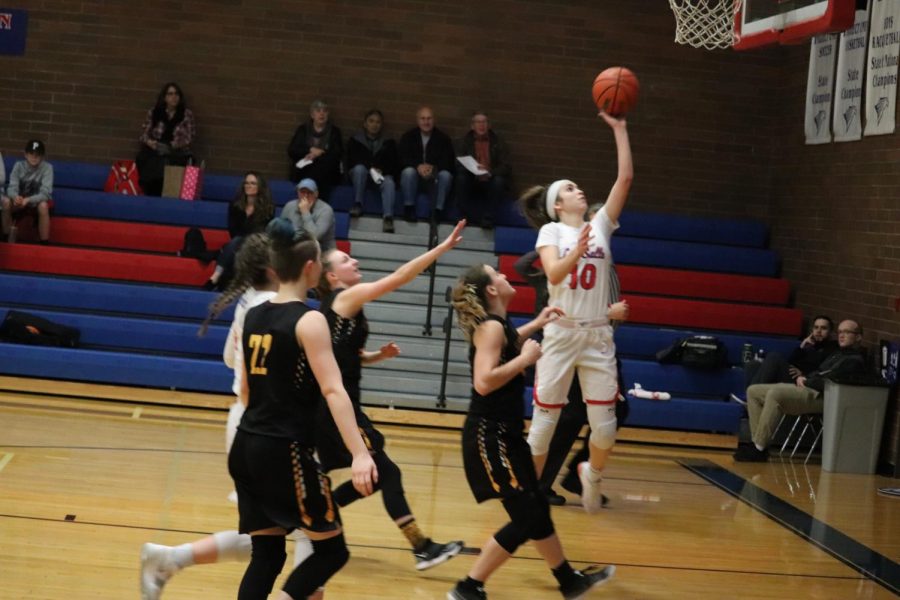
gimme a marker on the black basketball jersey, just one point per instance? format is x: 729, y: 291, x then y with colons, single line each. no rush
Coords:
x: 348, y: 336
x: 283, y: 391
x: 505, y: 403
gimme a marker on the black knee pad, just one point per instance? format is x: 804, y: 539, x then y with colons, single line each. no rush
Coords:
x: 510, y: 537
x: 530, y: 512
x: 327, y: 559
x: 266, y: 560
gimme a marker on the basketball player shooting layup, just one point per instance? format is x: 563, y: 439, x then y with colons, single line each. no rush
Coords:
x: 576, y: 258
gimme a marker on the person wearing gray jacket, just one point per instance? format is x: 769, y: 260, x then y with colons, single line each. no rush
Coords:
x: 30, y: 188
x: 307, y: 213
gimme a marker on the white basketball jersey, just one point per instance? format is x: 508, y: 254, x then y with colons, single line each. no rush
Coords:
x: 248, y: 300
x: 584, y: 293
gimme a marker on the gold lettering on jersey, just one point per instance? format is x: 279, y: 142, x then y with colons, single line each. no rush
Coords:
x: 257, y: 362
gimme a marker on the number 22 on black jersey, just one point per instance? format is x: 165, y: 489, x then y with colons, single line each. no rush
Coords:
x: 258, y: 359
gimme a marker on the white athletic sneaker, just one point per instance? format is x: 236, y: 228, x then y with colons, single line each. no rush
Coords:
x: 232, y: 496
x: 591, y: 498
x: 157, y: 566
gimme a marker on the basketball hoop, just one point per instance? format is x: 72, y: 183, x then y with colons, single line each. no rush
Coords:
x: 705, y: 23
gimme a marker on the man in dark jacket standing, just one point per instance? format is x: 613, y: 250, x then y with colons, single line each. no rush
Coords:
x: 371, y: 158
x: 766, y: 402
x: 492, y: 156
x: 426, y: 157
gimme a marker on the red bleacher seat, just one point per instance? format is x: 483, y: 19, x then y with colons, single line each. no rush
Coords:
x: 687, y: 284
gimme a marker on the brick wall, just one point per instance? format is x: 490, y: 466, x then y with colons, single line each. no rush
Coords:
x: 250, y: 69
x: 715, y: 133
x: 836, y: 217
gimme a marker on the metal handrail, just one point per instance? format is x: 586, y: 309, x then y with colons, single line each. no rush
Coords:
x: 432, y: 270
x: 448, y: 330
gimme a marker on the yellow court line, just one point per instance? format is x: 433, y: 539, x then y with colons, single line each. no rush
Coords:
x: 5, y: 460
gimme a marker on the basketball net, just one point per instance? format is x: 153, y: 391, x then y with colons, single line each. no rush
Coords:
x: 705, y: 23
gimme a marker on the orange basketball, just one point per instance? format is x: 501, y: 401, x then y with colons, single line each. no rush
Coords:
x: 615, y: 91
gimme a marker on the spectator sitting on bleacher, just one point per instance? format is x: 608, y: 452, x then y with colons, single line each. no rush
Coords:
x: 805, y: 358
x: 317, y: 146
x: 308, y: 214
x: 372, y: 159
x: 767, y: 402
x: 249, y: 212
x: 426, y: 157
x: 30, y: 188
x: 492, y: 155
x: 166, y: 138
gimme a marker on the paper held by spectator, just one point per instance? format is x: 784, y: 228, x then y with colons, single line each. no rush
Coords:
x: 472, y: 165
x: 376, y: 176
x: 303, y: 162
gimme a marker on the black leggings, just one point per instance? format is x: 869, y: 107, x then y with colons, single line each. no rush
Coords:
x: 530, y: 514
x: 390, y: 482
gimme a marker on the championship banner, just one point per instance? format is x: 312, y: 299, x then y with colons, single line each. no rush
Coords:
x: 851, y: 65
x: 881, y: 80
x: 13, y: 31
x: 819, y: 86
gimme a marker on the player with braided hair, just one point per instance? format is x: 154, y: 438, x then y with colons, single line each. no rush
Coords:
x: 496, y: 458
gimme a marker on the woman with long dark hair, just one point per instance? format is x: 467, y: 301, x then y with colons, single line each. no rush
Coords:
x: 249, y: 213
x: 166, y: 138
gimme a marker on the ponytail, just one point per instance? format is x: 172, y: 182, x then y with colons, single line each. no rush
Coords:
x: 533, y: 204
x: 469, y: 299
x: 251, y: 263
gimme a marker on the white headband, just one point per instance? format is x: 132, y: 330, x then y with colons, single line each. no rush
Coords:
x: 552, y: 193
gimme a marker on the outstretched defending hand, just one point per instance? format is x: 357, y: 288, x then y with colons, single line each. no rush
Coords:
x: 548, y: 314
x: 365, y: 473
x: 612, y: 121
x: 455, y: 236
x: 389, y: 350
x: 531, y: 350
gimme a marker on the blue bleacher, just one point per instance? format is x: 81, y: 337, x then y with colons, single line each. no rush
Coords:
x: 147, y: 209
x: 121, y: 368
x: 126, y: 333
x: 661, y: 253
x: 99, y: 296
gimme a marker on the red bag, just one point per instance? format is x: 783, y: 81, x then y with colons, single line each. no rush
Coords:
x: 123, y: 179
x: 192, y: 184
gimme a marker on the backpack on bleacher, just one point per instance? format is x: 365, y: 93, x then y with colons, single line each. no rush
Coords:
x: 194, y: 244
x: 24, y: 328
x: 123, y: 179
x: 696, y: 352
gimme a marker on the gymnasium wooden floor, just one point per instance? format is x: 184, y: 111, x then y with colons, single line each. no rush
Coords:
x: 84, y: 483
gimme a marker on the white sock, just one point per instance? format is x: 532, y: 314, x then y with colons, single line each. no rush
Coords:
x: 232, y: 545
x: 183, y: 555
x: 594, y: 476
x: 303, y: 547
x: 758, y: 447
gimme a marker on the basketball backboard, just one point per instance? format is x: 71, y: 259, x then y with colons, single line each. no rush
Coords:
x: 766, y: 22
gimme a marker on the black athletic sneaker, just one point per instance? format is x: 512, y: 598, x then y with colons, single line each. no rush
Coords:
x: 750, y: 453
x: 434, y: 554
x: 461, y: 593
x: 409, y: 214
x: 586, y: 580
x: 555, y: 499
x: 387, y: 224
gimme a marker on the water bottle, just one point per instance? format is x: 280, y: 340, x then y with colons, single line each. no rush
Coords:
x: 747, y: 353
